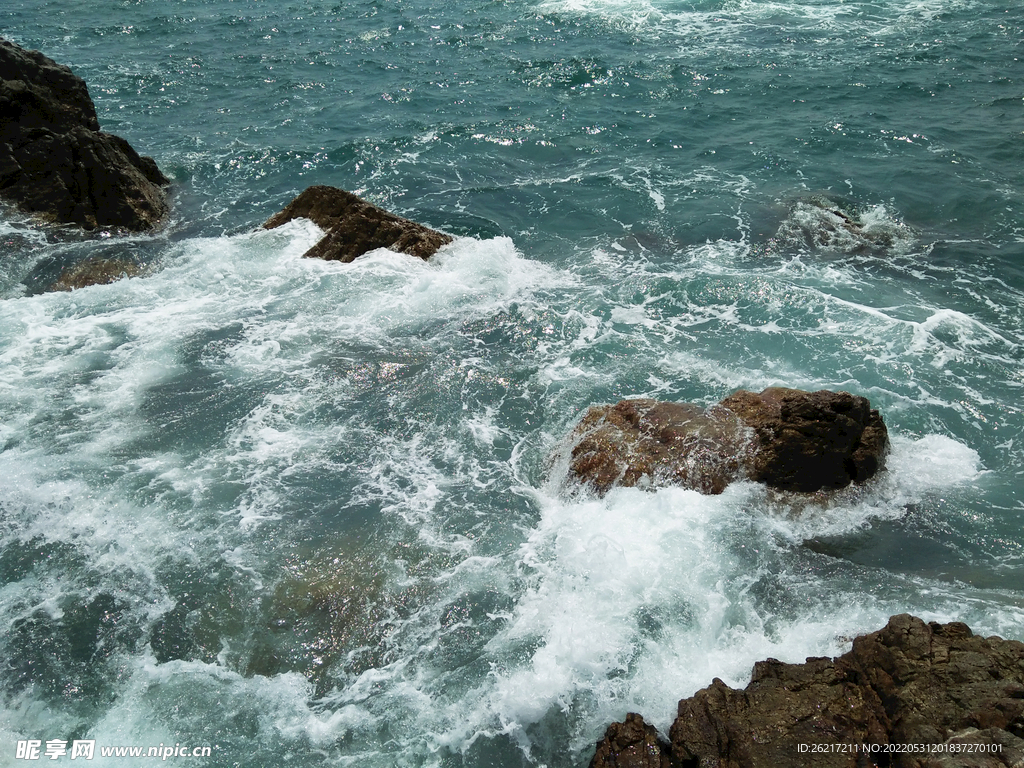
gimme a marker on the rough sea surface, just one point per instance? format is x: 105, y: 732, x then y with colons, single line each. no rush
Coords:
x: 306, y: 513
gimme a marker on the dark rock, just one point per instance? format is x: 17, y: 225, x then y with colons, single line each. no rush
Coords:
x: 355, y: 226
x: 54, y: 160
x: 806, y: 441
x: 786, y: 438
x: 631, y: 744
x: 911, y: 695
x: 95, y: 272
x: 910, y: 683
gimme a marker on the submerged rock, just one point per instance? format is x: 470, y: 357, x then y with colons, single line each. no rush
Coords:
x: 355, y: 227
x: 330, y: 608
x: 820, y: 222
x: 95, y: 272
x: 912, y: 694
x: 54, y: 160
x: 786, y: 438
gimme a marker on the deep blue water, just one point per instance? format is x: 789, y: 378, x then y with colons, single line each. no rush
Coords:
x: 308, y: 514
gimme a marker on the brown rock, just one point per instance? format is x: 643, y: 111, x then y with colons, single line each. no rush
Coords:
x: 647, y: 442
x: 54, y: 160
x: 785, y: 438
x: 990, y: 748
x: 783, y: 707
x: 911, y: 695
x: 631, y: 744
x: 806, y: 441
x: 355, y: 226
x: 95, y: 272
x: 910, y: 683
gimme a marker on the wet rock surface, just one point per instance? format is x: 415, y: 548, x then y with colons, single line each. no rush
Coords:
x: 55, y: 162
x: 632, y: 744
x: 355, y: 227
x: 917, y: 695
x: 786, y: 438
x: 95, y: 272
x: 651, y: 443
x: 807, y: 441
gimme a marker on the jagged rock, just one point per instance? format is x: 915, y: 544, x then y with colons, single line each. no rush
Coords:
x: 908, y: 683
x: 355, y: 226
x: 95, y: 272
x: 785, y: 438
x: 805, y: 441
x: 911, y: 695
x: 54, y: 160
x: 631, y: 744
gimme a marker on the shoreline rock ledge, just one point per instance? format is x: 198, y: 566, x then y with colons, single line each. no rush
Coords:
x: 56, y: 163
x: 355, y: 227
x: 788, y: 439
x: 911, y: 695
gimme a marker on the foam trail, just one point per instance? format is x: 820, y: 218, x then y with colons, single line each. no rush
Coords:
x: 639, y: 598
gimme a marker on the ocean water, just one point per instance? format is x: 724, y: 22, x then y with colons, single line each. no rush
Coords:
x: 312, y: 514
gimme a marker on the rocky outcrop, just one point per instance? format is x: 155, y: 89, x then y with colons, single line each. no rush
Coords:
x: 651, y: 443
x: 632, y: 744
x: 354, y: 226
x: 786, y: 438
x: 54, y: 160
x: 805, y: 441
x: 95, y: 272
x: 912, y: 695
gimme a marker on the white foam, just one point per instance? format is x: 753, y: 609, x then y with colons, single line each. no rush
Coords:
x: 724, y: 23
x: 948, y: 335
x: 104, y: 348
x: 639, y: 598
x: 150, y: 706
x: 915, y: 469
x: 615, y: 604
x: 931, y: 463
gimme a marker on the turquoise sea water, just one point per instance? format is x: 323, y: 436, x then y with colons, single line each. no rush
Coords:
x: 308, y: 514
